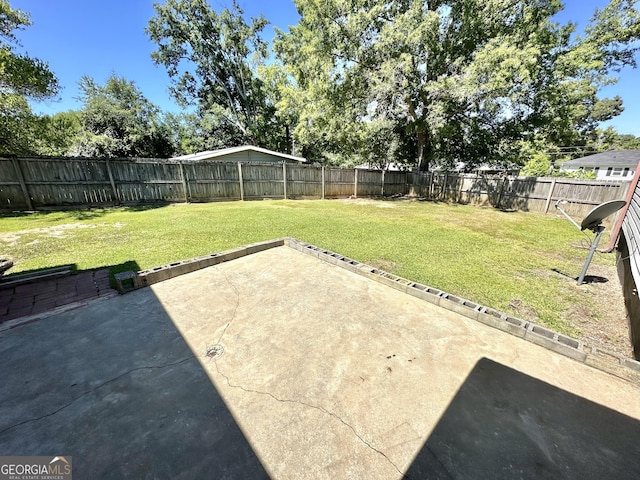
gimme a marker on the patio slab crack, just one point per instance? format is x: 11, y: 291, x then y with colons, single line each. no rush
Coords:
x: 315, y: 407
x: 285, y: 400
x: 235, y: 308
x: 97, y: 387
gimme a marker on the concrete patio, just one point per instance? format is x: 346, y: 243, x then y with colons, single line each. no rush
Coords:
x: 280, y: 365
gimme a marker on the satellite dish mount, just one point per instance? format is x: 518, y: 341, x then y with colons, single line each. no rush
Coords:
x: 593, y: 222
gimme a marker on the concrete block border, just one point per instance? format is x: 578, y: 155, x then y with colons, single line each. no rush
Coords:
x: 144, y: 278
x: 625, y: 368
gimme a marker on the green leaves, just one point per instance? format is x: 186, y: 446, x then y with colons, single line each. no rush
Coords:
x: 118, y: 121
x: 22, y: 78
x: 213, y: 59
x: 463, y: 80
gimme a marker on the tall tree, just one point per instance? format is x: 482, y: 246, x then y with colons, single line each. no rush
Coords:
x: 58, y: 133
x: 465, y: 80
x: 22, y: 78
x: 118, y: 121
x: 212, y: 59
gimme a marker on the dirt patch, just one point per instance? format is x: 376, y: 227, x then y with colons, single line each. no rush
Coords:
x: 370, y: 201
x: 522, y: 310
x: 59, y: 231
x: 600, y: 314
x: 383, y: 264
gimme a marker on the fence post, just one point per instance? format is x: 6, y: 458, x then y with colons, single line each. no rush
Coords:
x: 501, y: 191
x: 551, y: 189
x: 240, y: 180
x: 355, y: 183
x: 382, y: 189
x: 23, y: 184
x: 284, y: 178
x: 185, y: 188
x: 111, y: 181
x: 322, y: 182
x: 444, y: 187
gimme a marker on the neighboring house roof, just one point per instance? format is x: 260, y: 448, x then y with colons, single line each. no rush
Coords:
x: 612, y: 158
x: 216, y: 154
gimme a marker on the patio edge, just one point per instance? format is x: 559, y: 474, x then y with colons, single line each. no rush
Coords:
x: 624, y: 368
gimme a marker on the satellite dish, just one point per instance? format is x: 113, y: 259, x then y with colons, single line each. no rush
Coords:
x: 594, y: 217
x: 593, y: 222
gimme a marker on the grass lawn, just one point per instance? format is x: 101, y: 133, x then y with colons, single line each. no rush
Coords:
x: 482, y: 254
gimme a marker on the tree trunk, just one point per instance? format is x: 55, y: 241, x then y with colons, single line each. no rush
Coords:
x: 287, y: 134
x: 423, y: 159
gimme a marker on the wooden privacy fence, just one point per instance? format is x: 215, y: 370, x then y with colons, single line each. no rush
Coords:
x: 40, y: 183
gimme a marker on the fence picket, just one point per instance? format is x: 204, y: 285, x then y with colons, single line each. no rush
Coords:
x: 32, y: 183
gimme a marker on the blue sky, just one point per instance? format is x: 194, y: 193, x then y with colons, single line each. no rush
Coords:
x: 100, y: 37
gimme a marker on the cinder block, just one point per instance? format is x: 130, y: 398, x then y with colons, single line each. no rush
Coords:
x: 430, y: 295
x: 124, y: 279
x: 366, y: 271
x: 388, y: 279
x: 291, y: 243
x: 490, y: 317
x: 314, y: 252
x: 329, y: 257
x: 632, y: 364
x: 416, y: 289
x: 517, y: 329
x: 514, y: 326
x: 140, y: 281
x: 542, y: 331
x: 262, y: 246
x: 601, y: 363
x: 233, y: 254
x: 549, y: 339
x: 214, y: 259
x: 182, y: 268
x: 200, y: 263
x: 349, y: 264
x: 570, y: 342
x: 460, y: 305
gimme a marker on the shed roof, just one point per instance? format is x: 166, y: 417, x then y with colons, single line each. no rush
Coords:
x: 216, y: 154
x: 612, y: 158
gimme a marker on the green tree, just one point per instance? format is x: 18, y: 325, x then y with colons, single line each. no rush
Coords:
x: 196, y: 132
x: 213, y: 59
x: 539, y: 165
x: 609, y: 139
x: 465, y: 80
x: 118, y: 121
x: 22, y: 78
x: 58, y: 133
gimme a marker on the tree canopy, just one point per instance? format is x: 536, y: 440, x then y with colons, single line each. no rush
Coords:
x: 420, y: 83
x: 22, y: 78
x: 213, y: 59
x: 452, y: 80
x: 118, y: 121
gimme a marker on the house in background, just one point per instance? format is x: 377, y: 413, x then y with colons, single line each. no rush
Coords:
x: 246, y: 153
x: 611, y: 165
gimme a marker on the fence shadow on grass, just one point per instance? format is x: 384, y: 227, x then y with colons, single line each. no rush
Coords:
x: 82, y: 213
x: 505, y: 193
